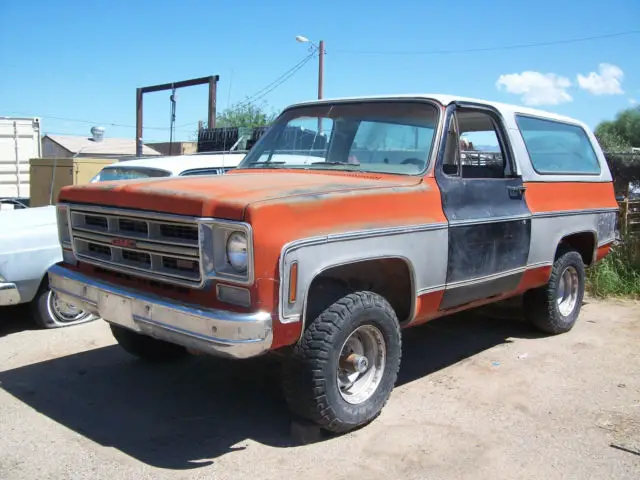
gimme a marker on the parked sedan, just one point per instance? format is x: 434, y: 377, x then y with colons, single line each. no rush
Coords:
x: 28, y: 247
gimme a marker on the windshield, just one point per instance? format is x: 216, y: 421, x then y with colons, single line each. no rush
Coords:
x: 379, y: 136
x: 128, y: 173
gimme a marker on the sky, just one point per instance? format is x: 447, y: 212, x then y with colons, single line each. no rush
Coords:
x: 77, y: 64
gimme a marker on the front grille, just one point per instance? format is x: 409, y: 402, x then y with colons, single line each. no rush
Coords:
x: 131, y: 256
x: 186, y: 232
x: 179, y: 264
x: 127, y: 225
x: 96, y: 222
x: 128, y: 241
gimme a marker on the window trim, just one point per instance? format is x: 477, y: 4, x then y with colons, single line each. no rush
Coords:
x: 560, y: 122
x: 501, y: 134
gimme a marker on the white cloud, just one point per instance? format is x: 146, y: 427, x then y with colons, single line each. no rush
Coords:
x: 606, y: 82
x: 633, y: 101
x: 536, y: 88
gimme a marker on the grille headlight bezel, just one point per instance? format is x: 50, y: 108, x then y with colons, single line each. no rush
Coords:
x: 64, y: 226
x: 215, y: 239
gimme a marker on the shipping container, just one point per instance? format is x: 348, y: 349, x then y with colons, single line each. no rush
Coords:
x: 19, y: 142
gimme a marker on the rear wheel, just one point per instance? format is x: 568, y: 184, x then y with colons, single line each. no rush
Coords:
x: 145, y: 347
x: 342, y: 371
x: 555, y: 307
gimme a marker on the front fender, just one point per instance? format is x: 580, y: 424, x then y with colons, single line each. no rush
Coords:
x: 422, y: 247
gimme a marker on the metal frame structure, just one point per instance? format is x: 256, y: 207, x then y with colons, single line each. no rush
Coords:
x: 211, y: 80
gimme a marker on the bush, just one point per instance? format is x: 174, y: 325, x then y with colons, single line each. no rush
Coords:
x: 618, y: 274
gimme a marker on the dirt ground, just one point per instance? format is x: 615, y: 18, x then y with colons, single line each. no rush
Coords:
x: 478, y: 397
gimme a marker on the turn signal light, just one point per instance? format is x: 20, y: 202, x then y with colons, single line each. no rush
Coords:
x: 293, y: 282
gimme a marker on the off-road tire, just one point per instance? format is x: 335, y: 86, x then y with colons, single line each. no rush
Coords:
x: 145, y: 347
x: 540, y: 304
x: 310, y: 382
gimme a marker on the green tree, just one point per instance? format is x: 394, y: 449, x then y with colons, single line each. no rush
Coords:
x: 622, y: 133
x: 610, y: 138
x: 245, y: 115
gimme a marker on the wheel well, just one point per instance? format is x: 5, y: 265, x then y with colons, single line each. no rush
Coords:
x: 584, y: 243
x: 44, y: 283
x: 390, y: 278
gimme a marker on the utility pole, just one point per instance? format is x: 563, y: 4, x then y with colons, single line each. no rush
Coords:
x: 320, y: 48
x: 320, y: 69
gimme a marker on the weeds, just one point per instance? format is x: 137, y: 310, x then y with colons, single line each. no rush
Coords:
x: 618, y: 274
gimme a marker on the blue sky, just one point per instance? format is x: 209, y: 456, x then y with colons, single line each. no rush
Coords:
x: 83, y: 60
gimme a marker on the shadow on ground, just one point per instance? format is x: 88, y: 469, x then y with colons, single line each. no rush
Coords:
x: 15, y: 319
x: 185, y: 415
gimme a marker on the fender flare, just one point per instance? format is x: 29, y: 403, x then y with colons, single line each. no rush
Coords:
x: 320, y: 271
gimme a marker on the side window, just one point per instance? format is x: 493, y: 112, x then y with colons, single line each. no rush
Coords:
x: 482, y: 154
x: 556, y: 147
x: 474, y: 148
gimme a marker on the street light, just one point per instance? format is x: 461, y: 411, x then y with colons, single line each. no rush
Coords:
x: 320, y: 48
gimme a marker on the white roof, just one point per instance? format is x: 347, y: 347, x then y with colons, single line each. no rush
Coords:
x: 446, y: 99
x: 108, y: 146
x: 179, y: 163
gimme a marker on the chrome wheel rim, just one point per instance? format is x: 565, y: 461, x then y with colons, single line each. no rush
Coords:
x: 568, y: 291
x: 361, y: 364
x: 62, y: 311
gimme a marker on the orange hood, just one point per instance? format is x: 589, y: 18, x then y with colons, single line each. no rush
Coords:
x: 225, y: 196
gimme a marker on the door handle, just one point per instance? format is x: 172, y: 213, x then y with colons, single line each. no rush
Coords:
x: 516, y: 191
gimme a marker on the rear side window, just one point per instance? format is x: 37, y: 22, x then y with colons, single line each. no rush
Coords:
x: 127, y: 173
x: 206, y: 171
x: 557, y: 147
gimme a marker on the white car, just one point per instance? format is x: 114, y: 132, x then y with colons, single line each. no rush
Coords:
x: 28, y: 247
x: 29, y: 236
x: 180, y: 165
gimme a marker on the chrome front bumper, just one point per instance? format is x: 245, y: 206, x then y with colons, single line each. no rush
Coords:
x: 218, y: 332
x: 9, y: 294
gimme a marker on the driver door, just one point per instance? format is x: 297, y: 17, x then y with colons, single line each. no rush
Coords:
x: 483, y: 199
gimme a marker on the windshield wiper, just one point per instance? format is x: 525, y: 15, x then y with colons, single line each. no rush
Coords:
x: 354, y: 165
x: 264, y: 164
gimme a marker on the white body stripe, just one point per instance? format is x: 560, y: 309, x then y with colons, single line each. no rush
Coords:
x: 423, y: 248
x: 549, y: 228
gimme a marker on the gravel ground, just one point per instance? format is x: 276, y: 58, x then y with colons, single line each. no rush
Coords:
x: 478, y: 397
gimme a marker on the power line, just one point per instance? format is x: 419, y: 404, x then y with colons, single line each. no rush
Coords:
x: 252, y: 98
x: 489, y: 49
x: 90, y: 122
x: 283, y: 77
x: 277, y: 82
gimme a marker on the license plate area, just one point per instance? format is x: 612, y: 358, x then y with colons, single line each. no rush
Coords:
x: 116, y: 309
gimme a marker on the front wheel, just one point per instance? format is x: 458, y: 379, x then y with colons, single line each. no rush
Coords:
x: 344, y: 368
x: 554, y: 308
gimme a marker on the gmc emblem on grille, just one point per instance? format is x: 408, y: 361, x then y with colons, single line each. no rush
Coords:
x: 123, y: 242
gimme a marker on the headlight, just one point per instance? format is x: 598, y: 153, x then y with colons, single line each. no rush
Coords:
x: 237, y: 251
